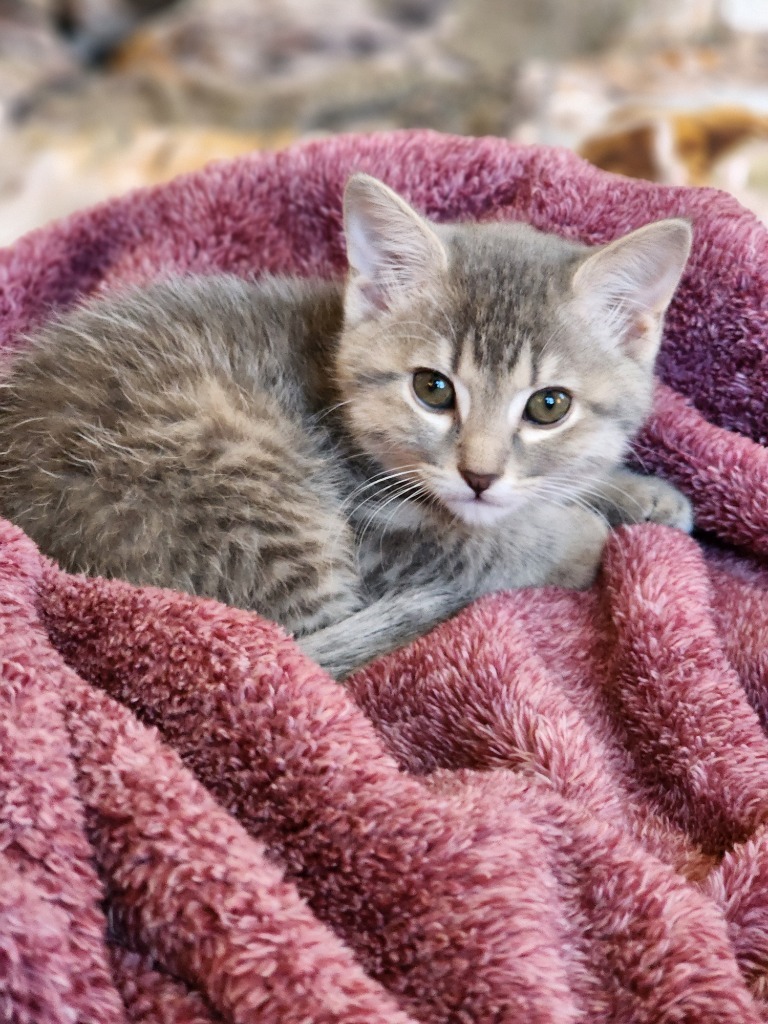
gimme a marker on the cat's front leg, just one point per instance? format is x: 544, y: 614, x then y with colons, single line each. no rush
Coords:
x: 578, y: 550
x: 558, y: 546
x: 630, y: 497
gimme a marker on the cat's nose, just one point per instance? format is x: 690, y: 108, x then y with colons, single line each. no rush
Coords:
x: 479, y: 482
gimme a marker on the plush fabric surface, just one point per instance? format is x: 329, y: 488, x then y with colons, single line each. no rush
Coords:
x: 549, y: 810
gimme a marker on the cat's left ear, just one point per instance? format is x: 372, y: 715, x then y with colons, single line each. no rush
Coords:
x: 629, y: 283
x: 393, y: 253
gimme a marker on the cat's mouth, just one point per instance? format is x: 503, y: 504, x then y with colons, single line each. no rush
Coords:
x: 478, y: 510
x: 485, y: 508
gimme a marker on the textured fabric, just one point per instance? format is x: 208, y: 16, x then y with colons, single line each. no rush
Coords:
x: 551, y: 809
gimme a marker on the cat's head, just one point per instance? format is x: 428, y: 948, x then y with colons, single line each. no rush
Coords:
x: 492, y: 366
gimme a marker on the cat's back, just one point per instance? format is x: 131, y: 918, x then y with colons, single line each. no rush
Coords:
x: 128, y: 364
x: 154, y: 433
x: 158, y: 339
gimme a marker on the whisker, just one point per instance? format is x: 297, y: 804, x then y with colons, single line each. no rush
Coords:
x: 384, y: 477
x: 320, y: 416
x: 391, y: 494
x: 391, y: 519
x: 635, y: 452
x: 385, y: 482
x: 549, y: 490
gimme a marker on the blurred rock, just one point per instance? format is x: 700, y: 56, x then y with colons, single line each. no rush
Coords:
x: 287, y: 66
x: 97, y: 96
x: 413, y: 13
x: 498, y: 35
x: 39, y: 182
x: 94, y: 28
x: 31, y: 53
x: 247, y: 42
x: 677, y: 147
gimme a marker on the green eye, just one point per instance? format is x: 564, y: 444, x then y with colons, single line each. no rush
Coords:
x: 434, y: 390
x: 548, y: 406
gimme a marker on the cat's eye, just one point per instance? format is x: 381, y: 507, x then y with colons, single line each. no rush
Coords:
x: 548, y: 406
x: 434, y: 390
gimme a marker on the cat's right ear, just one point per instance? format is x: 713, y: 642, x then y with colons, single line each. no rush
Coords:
x: 629, y: 283
x: 393, y: 253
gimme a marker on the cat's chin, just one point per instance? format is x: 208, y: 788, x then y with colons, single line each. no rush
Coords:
x: 476, y: 512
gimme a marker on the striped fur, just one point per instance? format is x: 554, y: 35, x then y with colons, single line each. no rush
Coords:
x: 261, y: 443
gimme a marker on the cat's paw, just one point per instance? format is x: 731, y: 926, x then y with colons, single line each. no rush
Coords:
x: 668, y: 506
x: 648, y: 499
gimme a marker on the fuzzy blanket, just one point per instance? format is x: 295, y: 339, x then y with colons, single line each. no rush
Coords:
x: 550, y: 810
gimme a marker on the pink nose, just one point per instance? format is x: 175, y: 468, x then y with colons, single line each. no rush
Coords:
x: 479, y: 482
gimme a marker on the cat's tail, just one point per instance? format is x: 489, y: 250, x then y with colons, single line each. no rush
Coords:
x: 388, y: 623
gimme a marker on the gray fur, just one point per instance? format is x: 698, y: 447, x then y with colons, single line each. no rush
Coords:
x: 260, y: 443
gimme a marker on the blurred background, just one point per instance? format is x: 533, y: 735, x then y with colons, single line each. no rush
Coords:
x: 101, y: 96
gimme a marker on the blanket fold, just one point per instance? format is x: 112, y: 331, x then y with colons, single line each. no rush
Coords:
x: 550, y: 810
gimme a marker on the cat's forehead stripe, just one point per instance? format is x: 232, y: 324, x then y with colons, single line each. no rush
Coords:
x: 496, y: 343
x: 461, y: 340
x: 522, y: 372
x: 504, y: 278
x: 514, y: 373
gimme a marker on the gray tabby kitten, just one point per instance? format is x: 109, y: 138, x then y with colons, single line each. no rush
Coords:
x: 355, y: 461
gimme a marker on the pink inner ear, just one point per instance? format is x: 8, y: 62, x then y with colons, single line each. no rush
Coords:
x: 373, y: 295
x: 639, y: 331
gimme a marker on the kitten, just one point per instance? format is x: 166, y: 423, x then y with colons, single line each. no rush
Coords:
x: 355, y: 461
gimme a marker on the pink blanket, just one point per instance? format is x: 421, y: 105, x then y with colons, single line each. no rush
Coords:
x: 550, y: 810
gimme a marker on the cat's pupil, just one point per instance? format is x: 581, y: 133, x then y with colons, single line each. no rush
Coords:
x: 434, y: 390
x: 550, y: 405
